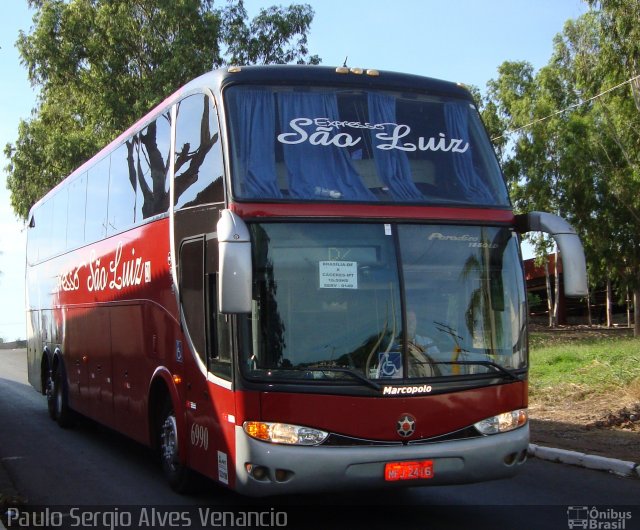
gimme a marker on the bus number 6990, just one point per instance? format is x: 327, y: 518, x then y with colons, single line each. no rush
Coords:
x: 200, y: 436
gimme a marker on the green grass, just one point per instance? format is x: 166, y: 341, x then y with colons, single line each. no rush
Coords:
x: 585, y: 364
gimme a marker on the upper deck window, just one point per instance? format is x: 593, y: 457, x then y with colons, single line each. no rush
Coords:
x: 323, y: 144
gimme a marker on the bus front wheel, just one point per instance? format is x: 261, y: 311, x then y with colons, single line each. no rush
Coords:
x: 178, y: 475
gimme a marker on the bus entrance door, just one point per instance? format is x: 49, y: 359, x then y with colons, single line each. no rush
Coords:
x: 203, y: 423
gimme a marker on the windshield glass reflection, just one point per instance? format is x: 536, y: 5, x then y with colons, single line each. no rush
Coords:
x: 327, y: 303
x: 337, y: 144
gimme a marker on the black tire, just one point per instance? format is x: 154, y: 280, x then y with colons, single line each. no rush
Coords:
x: 62, y: 413
x: 180, y: 477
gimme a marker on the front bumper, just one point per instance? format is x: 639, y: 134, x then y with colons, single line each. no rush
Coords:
x: 296, y: 469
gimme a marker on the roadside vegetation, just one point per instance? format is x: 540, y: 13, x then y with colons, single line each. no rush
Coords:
x: 584, y: 387
x: 583, y: 364
x: 567, y: 138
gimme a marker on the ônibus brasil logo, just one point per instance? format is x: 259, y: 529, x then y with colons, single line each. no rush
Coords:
x: 597, y: 518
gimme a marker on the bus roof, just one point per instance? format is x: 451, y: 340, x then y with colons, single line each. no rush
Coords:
x: 284, y: 75
x: 326, y: 75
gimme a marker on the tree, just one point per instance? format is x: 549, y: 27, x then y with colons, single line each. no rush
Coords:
x: 100, y: 65
x: 531, y: 163
x: 601, y: 51
x: 576, y: 146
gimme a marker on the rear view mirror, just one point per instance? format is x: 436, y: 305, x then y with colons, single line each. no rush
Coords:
x: 573, y: 262
x: 235, y: 276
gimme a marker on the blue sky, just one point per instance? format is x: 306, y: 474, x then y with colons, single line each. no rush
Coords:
x: 457, y: 40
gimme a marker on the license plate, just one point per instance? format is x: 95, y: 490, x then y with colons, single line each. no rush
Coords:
x: 408, y: 470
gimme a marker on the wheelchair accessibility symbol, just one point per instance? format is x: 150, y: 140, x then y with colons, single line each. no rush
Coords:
x: 390, y: 365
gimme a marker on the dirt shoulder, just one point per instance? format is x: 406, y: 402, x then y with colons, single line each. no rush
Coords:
x: 605, y: 424
x: 589, y: 427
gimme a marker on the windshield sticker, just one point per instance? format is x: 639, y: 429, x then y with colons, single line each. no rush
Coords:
x: 389, y: 365
x: 324, y: 132
x: 338, y: 274
x: 406, y: 390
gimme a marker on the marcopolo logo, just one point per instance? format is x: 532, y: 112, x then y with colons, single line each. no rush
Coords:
x: 597, y: 518
x: 406, y: 390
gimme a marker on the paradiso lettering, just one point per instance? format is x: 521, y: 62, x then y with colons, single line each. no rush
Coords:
x: 473, y: 241
x: 119, y: 273
x: 325, y: 134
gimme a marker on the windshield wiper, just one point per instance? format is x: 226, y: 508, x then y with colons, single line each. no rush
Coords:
x: 349, y: 371
x: 499, y: 368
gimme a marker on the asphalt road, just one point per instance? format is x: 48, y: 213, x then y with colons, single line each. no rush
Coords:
x: 118, y: 484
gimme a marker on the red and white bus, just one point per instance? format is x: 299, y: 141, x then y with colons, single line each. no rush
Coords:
x: 293, y: 278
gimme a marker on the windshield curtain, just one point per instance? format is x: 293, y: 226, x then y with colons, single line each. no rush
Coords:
x: 324, y: 144
x: 327, y: 301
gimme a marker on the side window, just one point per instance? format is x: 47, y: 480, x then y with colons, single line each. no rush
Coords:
x: 59, y: 228
x: 97, y: 192
x: 77, y: 204
x: 198, y: 157
x: 43, y: 219
x: 32, y: 237
x: 152, y: 168
x: 192, y: 292
x: 122, y: 189
x: 219, y: 333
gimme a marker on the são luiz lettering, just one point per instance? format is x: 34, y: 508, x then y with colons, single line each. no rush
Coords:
x: 325, y: 136
x: 117, y: 275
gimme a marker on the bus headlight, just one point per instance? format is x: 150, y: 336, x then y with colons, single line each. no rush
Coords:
x: 507, y: 421
x: 284, y: 433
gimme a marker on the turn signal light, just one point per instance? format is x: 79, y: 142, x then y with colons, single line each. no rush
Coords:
x: 284, y: 433
x: 257, y: 429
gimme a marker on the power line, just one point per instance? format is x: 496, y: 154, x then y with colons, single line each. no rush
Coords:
x: 631, y: 80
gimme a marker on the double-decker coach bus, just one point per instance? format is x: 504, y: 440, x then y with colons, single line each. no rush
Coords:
x: 293, y: 278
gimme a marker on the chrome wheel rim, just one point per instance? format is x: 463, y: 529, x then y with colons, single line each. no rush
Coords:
x: 49, y: 387
x: 169, y: 442
x: 58, y: 398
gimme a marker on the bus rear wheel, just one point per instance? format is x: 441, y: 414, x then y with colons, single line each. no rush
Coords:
x: 179, y: 476
x: 61, y: 411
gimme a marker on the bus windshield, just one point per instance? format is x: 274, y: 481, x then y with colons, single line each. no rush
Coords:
x: 382, y: 302
x: 335, y: 144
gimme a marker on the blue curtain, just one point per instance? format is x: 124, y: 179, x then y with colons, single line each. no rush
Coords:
x: 318, y: 171
x: 457, y: 120
x: 392, y: 164
x: 255, y: 162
